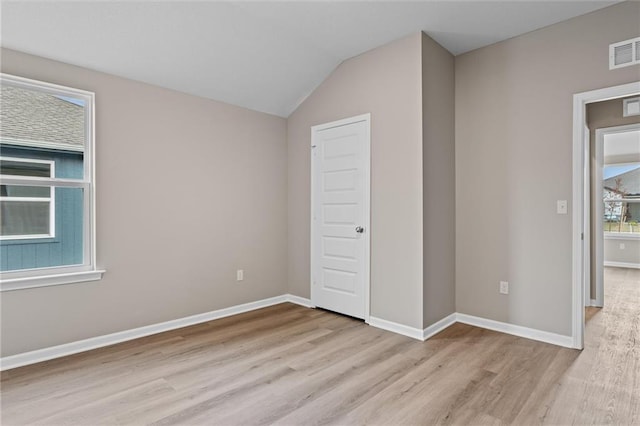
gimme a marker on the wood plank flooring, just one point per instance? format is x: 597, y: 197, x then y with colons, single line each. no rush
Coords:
x: 290, y: 365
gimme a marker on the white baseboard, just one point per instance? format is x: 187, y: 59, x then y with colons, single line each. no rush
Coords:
x: 595, y: 303
x: 517, y: 330
x: 397, y: 328
x: 503, y: 327
x: 299, y: 301
x: 45, y: 354
x: 438, y: 326
x: 622, y: 264
x: 413, y: 332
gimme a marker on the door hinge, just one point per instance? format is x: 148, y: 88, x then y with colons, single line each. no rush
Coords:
x: 582, y: 236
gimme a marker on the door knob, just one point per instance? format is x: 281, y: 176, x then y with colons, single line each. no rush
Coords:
x: 359, y: 229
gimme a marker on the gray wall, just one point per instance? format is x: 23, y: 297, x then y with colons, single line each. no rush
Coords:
x: 514, y: 160
x: 601, y: 115
x: 188, y: 191
x: 629, y: 254
x: 438, y: 181
x: 387, y: 83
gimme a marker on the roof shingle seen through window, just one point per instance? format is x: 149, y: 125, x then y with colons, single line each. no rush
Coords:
x: 36, y: 116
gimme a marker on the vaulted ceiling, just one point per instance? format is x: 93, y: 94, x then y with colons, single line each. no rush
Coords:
x: 264, y: 55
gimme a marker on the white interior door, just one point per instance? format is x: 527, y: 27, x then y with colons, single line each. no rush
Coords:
x: 340, y: 232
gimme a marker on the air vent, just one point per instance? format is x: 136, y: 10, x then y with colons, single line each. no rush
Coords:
x: 630, y: 106
x: 624, y: 53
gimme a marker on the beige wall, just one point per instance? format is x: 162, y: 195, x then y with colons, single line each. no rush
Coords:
x: 238, y: 181
x: 601, y: 115
x: 438, y: 181
x: 188, y: 191
x: 514, y: 159
x: 385, y: 82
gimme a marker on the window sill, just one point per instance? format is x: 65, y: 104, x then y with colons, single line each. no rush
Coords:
x: 621, y: 236
x: 49, y: 280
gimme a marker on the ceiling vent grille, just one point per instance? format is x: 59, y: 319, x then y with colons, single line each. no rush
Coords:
x: 624, y: 53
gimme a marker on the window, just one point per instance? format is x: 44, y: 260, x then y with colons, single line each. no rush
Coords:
x: 46, y: 185
x: 26, y: 211
x: 621, y: 198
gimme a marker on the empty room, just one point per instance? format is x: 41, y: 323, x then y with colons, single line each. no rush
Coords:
x: 319, y: 212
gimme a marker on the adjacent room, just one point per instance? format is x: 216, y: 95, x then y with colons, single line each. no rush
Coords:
x: 374, y: 212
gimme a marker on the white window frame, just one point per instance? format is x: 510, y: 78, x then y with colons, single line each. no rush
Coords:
x: 87, y: 271
x: 617, y: 235
x: 51, y: 199
x: 600, y: 209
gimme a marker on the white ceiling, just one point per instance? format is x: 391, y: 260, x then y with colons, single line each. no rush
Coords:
x: 267, y: 56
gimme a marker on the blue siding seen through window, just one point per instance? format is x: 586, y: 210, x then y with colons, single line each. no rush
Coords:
x: 66, y: 247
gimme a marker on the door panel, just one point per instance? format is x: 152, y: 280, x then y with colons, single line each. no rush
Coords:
x: 340, y: 185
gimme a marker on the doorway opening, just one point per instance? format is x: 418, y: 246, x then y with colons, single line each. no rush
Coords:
x: 582, y: 201
x: 617, y: 203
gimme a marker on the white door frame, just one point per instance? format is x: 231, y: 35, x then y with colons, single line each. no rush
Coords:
x: 581, y: 276
x: 599, y: 211
x: 367, y: 205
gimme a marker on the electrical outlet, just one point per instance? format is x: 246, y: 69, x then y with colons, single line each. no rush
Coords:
x: 239, y: 275
x: 504, y: 287
x: 622, y: 246
x: 561, y: 206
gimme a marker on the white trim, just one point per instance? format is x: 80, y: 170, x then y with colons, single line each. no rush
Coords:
x: 594, y: 303
x: 50, y: 280
x: 29, y: 160
x: 299, y: 301
x: 579, y: 274
x: 38, y: 181
x: 586, y: 218
x: 438, y: 326
x: 367, y: 205
x: 516, y: 330
x: 45, y: 354
x: 405, y: 330
x: 87, y: 183
x: 601, y: 235
x: 579, y: 230
x: 51, y: 199
x: 622, y: 264
x: 599, y: 215
x: 25, y: 237
x: 58, y: 146
x: 343, y: 122
x: 367, y: 221
x: 621, y: 236
x: 28, y: 200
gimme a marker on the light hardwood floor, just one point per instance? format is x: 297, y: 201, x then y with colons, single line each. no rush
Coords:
x: 294, y: 366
